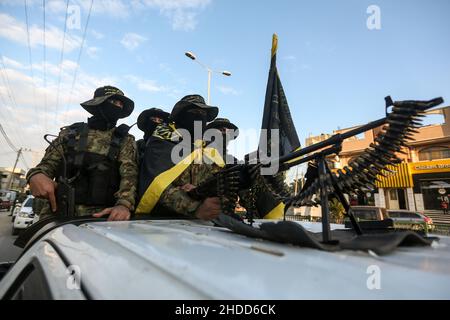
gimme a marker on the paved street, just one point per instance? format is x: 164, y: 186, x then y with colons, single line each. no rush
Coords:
x: 8, y: 252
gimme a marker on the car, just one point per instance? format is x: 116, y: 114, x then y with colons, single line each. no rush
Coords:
x: 411, y: 220
x: 370, y: 217
x: 24, y: 217
x: 7, y: 199
x: 15, y: 211
x: 193, y: 259
x: 5, y: 204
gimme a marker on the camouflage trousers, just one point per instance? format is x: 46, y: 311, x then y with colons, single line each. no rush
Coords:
x: 80, y: 210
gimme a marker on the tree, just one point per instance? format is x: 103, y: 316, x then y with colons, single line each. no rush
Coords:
x: 336, y: 211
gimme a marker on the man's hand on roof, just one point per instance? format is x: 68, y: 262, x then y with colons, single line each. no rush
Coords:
x: 117, y: 213
x: 43, y: 187
x: 209, y: 209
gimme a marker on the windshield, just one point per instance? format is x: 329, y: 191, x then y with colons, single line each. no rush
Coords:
x: 28, y: 203
x: 367, y: 214
x: 403, y: 214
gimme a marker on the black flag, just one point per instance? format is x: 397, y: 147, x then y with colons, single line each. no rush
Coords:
x: 276, y: 116
x: 276, y: 111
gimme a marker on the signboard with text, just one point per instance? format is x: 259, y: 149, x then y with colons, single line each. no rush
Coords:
x: 429, y: 166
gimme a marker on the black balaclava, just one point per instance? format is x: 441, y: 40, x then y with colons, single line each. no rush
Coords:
x: 106, y: 118
x: 186, y: 121
x: 150, y: 129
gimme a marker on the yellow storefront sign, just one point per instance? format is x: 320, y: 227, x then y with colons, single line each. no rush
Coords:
x: 429, y: 166
x: 401, y: 175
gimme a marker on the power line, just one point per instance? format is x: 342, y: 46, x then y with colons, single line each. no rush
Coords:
x: 15, y: 150
x: 24, y: 161
x: 6, y: 153
x: 29, y: 55
x: 5, y: 136
x: 45, y: 71
x: 81, y: 47
x: 61, y: 60
x: 5, y: 78
x: 81, y: 50
x: 10, y: 93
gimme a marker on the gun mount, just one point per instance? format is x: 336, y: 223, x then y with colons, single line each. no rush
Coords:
x: 361, y: 173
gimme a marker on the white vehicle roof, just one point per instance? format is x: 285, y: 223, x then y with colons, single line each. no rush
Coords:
x: 181, y: 259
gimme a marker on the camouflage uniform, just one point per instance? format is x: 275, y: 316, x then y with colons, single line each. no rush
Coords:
x: 97, y: 138
x: 98, y: 142
x: 174, y: 199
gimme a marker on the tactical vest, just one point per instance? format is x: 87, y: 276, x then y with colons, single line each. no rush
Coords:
x: 140, y: 144
x: 95, y: 177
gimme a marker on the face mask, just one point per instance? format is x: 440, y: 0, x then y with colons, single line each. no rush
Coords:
x: 150, y: 129
x: 187, y: 121
x: 110, y: 112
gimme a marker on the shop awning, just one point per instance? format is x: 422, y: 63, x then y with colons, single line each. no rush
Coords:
x: 398, y: 178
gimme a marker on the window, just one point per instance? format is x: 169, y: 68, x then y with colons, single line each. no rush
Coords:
x: 434, y: 153
x: 366, y: 214
x: 393, y: 194
x: 410, y: 215
x: 31, y: 284
x: 394, y: 214
x: 404, y: 214
x: 28, y: 203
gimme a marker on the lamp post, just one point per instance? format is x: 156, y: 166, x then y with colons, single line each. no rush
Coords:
x: 192, y: 56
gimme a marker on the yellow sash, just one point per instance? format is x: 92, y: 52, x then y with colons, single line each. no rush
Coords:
x: 164, y: 179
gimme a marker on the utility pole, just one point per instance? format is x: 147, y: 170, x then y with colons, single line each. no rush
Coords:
x: 19, y: 152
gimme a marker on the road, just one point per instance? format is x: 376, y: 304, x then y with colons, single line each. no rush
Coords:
x: 8, y: 252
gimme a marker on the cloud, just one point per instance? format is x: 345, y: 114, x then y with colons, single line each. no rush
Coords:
x: 92, y: 52
x: 16, y: 31
x: 182, y: 20
x: 13, y: 63
x: 97, y: 35
x: 228, y: 90
x: 294, y: 65
x: 145, y: 85
x: 290, y: 58
x: 132, y: 40
x: 181, y: 13
x: 34, y: 111
x: 112, y: 8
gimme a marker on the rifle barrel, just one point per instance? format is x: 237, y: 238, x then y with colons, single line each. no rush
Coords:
x: 337, y: 138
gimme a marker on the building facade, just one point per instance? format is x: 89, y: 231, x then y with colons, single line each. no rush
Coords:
x: 16, y: 179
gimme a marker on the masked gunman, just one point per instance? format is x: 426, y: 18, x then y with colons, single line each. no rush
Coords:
x: 100, y: 161
x: 227, y: 132
x: 147, y: 122
x: 175, y: 161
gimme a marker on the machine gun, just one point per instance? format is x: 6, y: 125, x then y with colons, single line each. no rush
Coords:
x: 65, y: 203
x: 361, y: 173
x: 65, y: 193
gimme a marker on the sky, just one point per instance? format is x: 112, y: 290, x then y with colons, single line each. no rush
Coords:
x: 335, y: 70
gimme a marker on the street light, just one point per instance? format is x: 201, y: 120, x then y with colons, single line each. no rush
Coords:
x: 192, y: 56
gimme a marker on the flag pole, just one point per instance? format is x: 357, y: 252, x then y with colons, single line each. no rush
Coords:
x: 274, y: 44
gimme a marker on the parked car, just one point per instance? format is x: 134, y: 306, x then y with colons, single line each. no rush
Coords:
x: 24, y: 217
x: 15, y: 211
x: 411, y: 220
x: 370, y: 217
x: 7, y: 198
